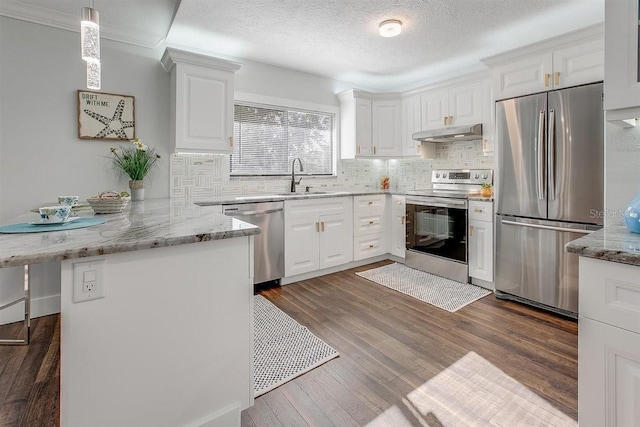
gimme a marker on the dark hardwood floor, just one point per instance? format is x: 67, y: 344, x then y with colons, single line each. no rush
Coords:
x: 30, y: 375
x: 389, y: 345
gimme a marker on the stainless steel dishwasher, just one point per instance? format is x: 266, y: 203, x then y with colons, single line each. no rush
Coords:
x: 268, y: 255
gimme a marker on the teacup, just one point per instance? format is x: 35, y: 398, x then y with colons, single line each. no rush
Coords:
x: 54, y: 214
x: 68, y: 200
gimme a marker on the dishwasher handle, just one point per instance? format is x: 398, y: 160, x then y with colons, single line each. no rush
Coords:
x: 237, y: 212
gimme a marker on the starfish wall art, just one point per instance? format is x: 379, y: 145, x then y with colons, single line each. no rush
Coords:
x: 105, y: 116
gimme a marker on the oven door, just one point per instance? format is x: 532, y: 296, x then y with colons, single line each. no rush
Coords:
x: 437, y: 226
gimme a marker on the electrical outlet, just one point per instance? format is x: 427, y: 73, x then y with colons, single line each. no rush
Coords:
x: 88, y: 280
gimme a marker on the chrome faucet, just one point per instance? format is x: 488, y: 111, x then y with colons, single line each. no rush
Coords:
x: 293, y: 174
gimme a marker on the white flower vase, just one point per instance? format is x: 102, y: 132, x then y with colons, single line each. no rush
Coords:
x: 137, y: 190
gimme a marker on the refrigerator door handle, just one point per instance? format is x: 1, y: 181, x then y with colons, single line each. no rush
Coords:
x: 547, y: 227
x: 551, y: 154
x: 541, y: 187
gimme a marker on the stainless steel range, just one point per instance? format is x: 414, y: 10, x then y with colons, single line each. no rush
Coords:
x: 437, y: 222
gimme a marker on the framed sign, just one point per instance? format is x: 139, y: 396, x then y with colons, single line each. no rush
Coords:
x: 106, y: 116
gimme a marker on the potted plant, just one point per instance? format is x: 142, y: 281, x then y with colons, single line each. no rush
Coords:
x: 486, y: 190
x: 135, y: 161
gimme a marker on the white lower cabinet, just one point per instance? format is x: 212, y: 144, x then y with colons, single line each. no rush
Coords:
x: 608, y: 344
x: 480, y: 242
x: 398, y: 227
x: 369, y: 224
x: 317, y: 234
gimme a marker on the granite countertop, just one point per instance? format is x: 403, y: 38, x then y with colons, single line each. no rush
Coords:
x: 255, y: 198
x: 614, y: 243
x: 153, y: 223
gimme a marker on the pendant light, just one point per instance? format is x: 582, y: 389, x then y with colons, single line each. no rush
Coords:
x: 90, y: 45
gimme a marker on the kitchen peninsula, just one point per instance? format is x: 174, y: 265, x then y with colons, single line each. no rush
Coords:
x: 171, y: 342
x: 609, y: 327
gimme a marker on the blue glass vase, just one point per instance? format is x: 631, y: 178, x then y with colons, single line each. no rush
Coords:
x: 631, y: 215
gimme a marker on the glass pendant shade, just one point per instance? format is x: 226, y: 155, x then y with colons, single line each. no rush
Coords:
x: 90, y: 35
x: 93, y: 75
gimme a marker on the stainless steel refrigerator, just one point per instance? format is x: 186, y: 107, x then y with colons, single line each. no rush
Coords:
x: 549, y: 189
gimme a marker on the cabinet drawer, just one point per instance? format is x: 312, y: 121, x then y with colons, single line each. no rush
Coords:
x: 368, y: 224
x: 368, y: 246
x: 480, y: 211
x: 368, y: 205
x: 610, y: 293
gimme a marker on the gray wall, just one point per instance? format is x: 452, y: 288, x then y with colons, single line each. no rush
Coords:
x: 40, y: 153
x: 622, y: 170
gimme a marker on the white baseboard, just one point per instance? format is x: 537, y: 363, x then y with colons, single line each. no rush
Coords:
x: 43, y: 306
x: 226, y: 417
x: 318, y: 273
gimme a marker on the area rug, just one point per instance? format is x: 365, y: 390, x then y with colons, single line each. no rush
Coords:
x: 284, y: 349
x: 443, y: 293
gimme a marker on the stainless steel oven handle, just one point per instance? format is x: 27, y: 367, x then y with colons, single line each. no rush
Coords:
x: 439, y: 203
x: 547, y: 227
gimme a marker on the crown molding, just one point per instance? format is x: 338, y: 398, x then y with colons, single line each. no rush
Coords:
x: 591, y: 32
x: 65, y: 21
x: 174, y: 56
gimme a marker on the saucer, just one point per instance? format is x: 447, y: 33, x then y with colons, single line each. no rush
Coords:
x: 55, y: 223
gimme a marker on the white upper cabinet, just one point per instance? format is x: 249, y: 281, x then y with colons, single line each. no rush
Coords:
x: 370, y: 124
x: 411, y: 123
x: 569, y: 60
x: 455, y: 106
x: 386, y: 121
x: 201, y: 102
x: 622, y: 67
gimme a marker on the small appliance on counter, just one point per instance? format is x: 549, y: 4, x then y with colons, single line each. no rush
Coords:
x: 437, y: 222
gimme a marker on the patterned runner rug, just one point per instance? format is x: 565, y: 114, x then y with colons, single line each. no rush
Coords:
x: 284, y: 349
x: 443, y: 293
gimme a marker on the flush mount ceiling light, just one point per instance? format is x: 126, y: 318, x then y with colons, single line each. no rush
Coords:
x: 390, y: 28
x: 90, y: 45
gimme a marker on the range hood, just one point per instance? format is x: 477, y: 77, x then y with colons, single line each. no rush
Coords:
x: 450, y: 134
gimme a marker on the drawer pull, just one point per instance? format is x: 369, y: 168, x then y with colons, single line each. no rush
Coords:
x: 322, y: 226
x: 470, y: 230
x: 370, y: 202
x: 317, y: 227
x: 371, y: 246
x: 556, y: 77
x: 231, y: 141
x: 403, y: 219
x: 370, y: 222
x: 478, y: 210
x: 547, y: 78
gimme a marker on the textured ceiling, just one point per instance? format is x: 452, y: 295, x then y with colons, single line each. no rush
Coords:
x: 338, y: 39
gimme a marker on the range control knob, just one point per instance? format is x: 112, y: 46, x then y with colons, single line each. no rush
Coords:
x: 485, y: 175
x: 437, y: 175
x: 477, y: 176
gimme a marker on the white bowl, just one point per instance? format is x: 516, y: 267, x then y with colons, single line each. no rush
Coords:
x: 54, y: 214
x: 68, y: 200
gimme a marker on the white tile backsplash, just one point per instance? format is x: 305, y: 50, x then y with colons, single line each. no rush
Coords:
x: 202, y: 176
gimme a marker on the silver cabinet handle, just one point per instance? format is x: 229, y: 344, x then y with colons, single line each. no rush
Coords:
x: 547, y: 227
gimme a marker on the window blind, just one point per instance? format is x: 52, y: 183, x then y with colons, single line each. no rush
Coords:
x: 268, y: 138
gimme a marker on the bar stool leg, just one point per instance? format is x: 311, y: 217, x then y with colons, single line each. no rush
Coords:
x: 27, y: 312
